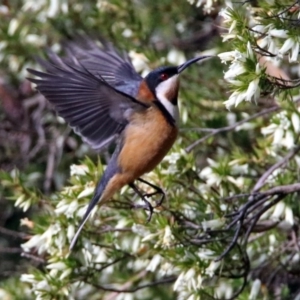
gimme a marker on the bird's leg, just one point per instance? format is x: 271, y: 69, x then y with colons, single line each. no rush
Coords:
x: 147, y: 203
x: 157, y: 189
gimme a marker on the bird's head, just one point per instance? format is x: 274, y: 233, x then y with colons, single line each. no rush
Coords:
x: 164, y: 81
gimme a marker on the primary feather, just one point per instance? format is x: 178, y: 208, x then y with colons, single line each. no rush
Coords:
x: 85, y: 99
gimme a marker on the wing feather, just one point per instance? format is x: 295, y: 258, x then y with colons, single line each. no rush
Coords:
x: 96, y: 110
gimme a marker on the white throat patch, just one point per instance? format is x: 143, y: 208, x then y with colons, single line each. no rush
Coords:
x: 161, y: 92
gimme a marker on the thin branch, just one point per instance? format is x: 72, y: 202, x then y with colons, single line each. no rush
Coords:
x: 10, y: 250
x: 282, y: 189
x: 256, y: 208
x: 14, y: 234
x: 38, y: 259
x: 132, y: 290
x: 232, y: 127
x: 259, y: 214
x: 282, y: 12
x: 232, y: 243
x: 262, y: 180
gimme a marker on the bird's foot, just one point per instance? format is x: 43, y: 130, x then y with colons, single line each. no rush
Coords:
x: 160, y: 201
x: 146, y: 206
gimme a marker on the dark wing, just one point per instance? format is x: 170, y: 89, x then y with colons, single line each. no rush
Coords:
x: 102, y: 60
x: 89, y: 104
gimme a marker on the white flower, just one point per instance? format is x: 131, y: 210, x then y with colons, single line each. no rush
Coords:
x: 65, y: 273
x: 44, y: 242
x: 278, y: 135
x: 232, y: 26
x: 43, y: 285
x: 295, y: 52
x: 139, y: 62
x: 213, y: 266
x: 23, y: 202
x: 235, y: 69
x: 179, y: 282
x: 289, y: 140
x: 260, y: 28
x: 13, y: 26
x: 79, y: 170
x: 89, y: 190
x: 223, y: 290
x: 227, y: 56
x: 278, y: 210
x: 168, y: 237
x: 235, y: 99
x: 53, y: 8
x: 296, y: 122
x: 67, y: 208
x: 279, y: 33
x: 70, y: 232
x: 211, y: 178
x: 255, y: 289
x: 28, y: 278
x: 127, y: 33
x: 250, y: 53
x: 150, y: 237
x: 99, y: 254
x: 287, y: 45
x: 57, y: 265
x: 213, y: 224
x: 289, y: 216
x: 253, y: 90
x: 206, y: 254
x: 175, y: 57
x: 154, y: 263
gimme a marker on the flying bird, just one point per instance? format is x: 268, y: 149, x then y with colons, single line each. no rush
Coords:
x: 96, y: 89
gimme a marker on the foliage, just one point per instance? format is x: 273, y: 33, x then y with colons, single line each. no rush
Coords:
x: 229, y: 225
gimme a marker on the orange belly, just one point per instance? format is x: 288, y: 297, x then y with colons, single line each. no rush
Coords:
x: 147, y: 140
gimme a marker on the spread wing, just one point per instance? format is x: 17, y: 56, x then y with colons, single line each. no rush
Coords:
x: 87, y: 102
x: 102, y: 60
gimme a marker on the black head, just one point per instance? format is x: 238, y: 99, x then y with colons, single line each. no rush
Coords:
x: 164, y: 83
x: 162, y: 74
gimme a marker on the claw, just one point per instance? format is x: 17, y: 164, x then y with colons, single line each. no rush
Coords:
x: 161, y: 200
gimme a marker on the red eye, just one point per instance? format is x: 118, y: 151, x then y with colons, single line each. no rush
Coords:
x: 164, y: 76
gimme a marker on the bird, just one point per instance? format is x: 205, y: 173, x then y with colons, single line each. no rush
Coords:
x: 96, y: 89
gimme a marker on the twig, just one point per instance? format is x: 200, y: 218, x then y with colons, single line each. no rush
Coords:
x: 50, y: 166
x: 282, y: 12
x: 132, y: 290
x: 34, y: 257
x: 14, y: 234
x: 233, y: 241
x: 10, y: 250
x: 232, y: 127
x: 256, y: 203
x: 259, y: 214
x: 282, y: 189
x: 261, y: 182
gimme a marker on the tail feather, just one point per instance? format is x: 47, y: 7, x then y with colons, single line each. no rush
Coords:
x: 111, y: 170
x: 96, y: 198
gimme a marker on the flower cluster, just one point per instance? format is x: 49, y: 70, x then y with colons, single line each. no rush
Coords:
x: 283, y: 129
x: 272, y: 41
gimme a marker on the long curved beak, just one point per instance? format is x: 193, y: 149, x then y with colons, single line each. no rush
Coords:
x: 191, y: 61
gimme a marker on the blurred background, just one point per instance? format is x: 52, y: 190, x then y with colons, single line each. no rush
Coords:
x: 34, y: 141
x: 37, y: 148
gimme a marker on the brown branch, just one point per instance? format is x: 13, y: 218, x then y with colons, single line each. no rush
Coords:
x: 134, y: 289
x: 14, y: 234
x: 282, y: 189
x: 10, y: 250
x: 232, y: 127
x: 256, y: 208
x: 38, y: 259
x: 262, y: 180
